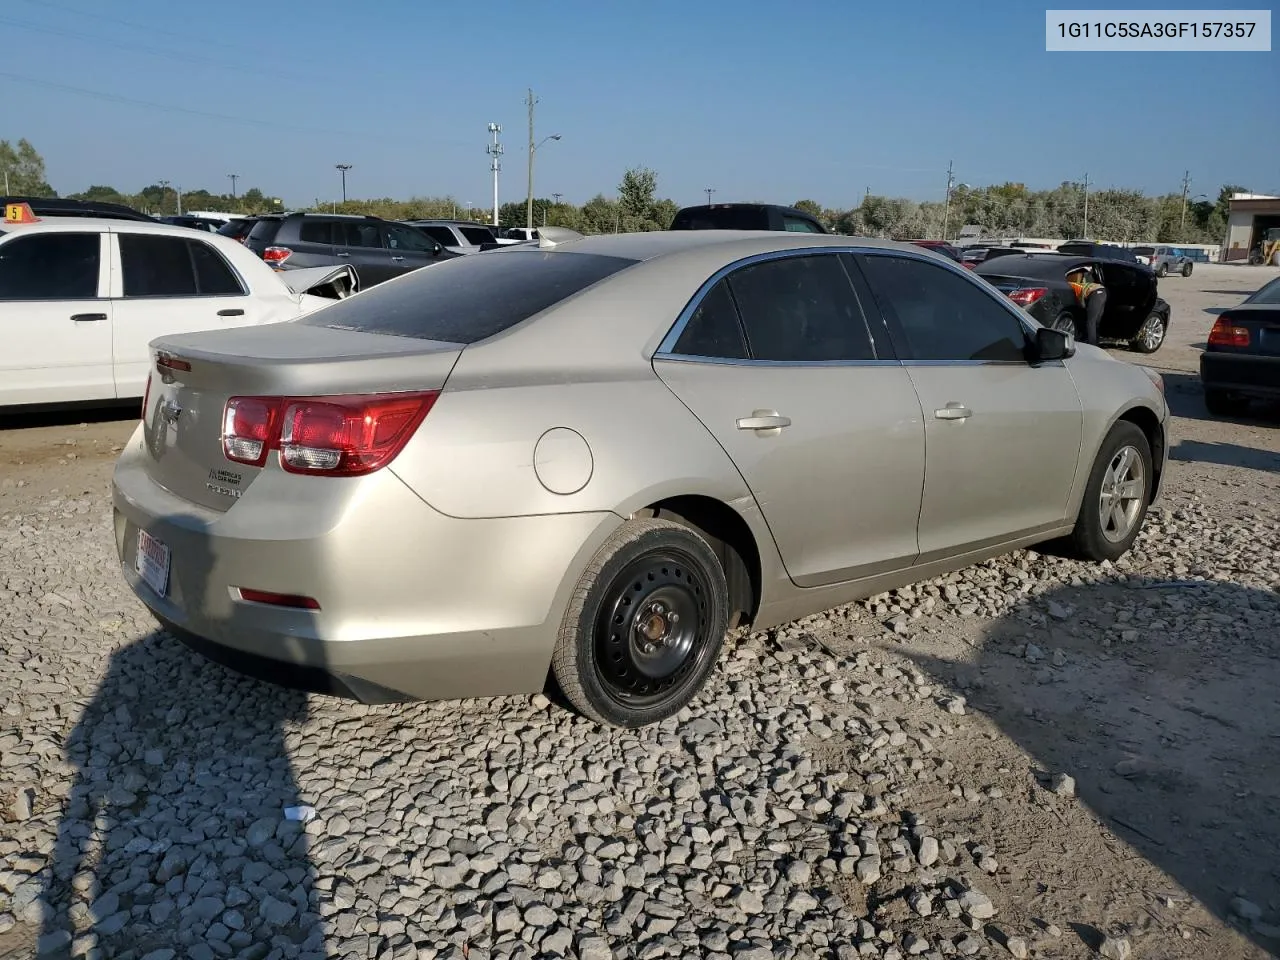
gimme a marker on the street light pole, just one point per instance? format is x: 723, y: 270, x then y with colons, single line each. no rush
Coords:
x: 342, y: 168
x: 709, y: 191
x: 233, y: 177
x: 530, y: 101
x: 495, y: 151
x: 164, y: 186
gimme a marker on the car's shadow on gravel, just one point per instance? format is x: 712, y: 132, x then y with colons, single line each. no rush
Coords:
x: 1185, y: 395
x: 1159, y: 699
x: 182, y: 832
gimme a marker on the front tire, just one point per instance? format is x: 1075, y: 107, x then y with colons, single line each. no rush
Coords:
x: 1186, y: 269
x: 1116, y: 497
x: 645, y: 625
x: 1150, y: 335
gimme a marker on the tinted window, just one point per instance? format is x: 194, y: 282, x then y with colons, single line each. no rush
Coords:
x: 721, y: 218
x: 214, y: 276
x: 358, y: 234
x: 714, y: 330
x: 264, y: 230
x: 801, y: 309
x: 467, y: 299
x: 477, y: 235
x: 409, y: 239
x: 442, y: 235
x: 942, y: 315
x: 316, y: 231
x: 236, y: 229
x: 796, y: 225
x: 156, y: 266
x: 1268, y: 294
x: 50, y: 266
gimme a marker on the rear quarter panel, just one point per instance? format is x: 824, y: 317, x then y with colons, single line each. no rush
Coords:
x: 584, y: 366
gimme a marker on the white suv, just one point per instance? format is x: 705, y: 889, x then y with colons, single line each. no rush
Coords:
x: 457, y: 236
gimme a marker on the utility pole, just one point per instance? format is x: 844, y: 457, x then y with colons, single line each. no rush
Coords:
x: 530, y: 101
x: 946, y: 210
x: 556, y: 197
x: 1086, y: 206
x: 233, y: 177
x: 866, y: 195
x: 342, y: 168
x: 177, y: 192
x: 1186, y: 185
x: 164, y: 186
x: 709, y: 191
x: 495, y: 164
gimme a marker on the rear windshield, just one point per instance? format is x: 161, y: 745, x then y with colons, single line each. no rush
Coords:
x: 470, y: 298
x: 725, y: 218
x: 264, y: 229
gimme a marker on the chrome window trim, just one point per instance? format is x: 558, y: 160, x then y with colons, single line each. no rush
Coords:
x: 666, y: 348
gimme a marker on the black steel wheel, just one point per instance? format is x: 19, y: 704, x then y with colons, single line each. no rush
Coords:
x: 645, y: 626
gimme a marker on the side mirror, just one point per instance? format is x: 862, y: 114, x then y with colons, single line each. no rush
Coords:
x: 435, y: 251
x: 1053, y: 345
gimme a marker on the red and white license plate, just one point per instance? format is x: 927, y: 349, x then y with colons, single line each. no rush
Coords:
x: 152, y: 562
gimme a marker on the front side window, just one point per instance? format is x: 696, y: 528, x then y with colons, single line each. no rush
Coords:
x: 796, y: 225
x: 477, y: 235
x: 406, y: 238
x: 801, y: 309
x: 942, y: 315
x: 713, y: 331
x: 441, y: 235
x: 50, y: 266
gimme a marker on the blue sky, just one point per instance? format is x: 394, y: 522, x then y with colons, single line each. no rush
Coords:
x: 759, y: 99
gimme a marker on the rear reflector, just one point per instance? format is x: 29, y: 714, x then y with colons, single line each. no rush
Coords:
x: 167, y: 361
x: 341, y: 436
x: 1026, y: 296
x: 1226, y: 334
x: 276, y: 255
x: 278, y: 599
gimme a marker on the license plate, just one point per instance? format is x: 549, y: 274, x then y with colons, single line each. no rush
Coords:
x: 152, y: 562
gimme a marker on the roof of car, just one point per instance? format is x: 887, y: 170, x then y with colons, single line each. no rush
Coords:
x: 96, y: 225
x: 647, y: 246
x: 1039, y: 264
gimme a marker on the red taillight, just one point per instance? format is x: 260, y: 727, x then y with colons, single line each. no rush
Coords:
x: 344, y: 436
x: 1025, y: 296
x: 278, y: 599
x: 276, y: 255
x: 248, y: 429
x: 1226, y: 334
x: 165, y: 361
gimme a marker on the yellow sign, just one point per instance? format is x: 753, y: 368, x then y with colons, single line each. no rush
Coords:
x: 19, y: 213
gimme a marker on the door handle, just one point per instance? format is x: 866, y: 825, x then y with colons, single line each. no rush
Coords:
x: 763, y: 420
x: 344, y: 254
x: 231, y: 312
x: 87, y: 317
x: 397, y: 258
x: 953, y: 411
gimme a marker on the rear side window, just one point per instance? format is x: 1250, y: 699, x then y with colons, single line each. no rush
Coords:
x: 796, y: 225
x: 50, y: 266
x: 157, y: 266
x: 801, y: 309
x: 468, y: 299
x: 714, y: 330
x: 358, y: 234
x: 725, y: 218
x: 316, y: 231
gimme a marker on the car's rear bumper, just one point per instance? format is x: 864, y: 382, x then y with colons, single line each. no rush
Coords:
x: 1241, y: 373
x: 413, y: 604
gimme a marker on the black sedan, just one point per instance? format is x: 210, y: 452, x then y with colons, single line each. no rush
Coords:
x: 1241, y: 361
x: 1134, y: 315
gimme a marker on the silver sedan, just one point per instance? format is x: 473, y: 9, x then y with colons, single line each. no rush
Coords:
x: 584, y: 461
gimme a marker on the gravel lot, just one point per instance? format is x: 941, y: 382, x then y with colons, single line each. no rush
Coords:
x: 1031, y: 758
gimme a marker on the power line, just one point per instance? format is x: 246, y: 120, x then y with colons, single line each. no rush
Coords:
x: 74, y: 11
x: 191, y: 111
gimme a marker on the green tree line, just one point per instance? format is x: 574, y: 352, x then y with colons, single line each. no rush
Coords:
x: 1007, y: 208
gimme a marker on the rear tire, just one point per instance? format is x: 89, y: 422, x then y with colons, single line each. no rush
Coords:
x: 1116, y: 497
x: 645, y: 625
x: 1150, y: 335
x: 1162, y: 270
x: 1223, y: 404
x: 1066, y: 323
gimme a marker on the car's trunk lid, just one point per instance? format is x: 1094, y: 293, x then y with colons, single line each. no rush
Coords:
x: 194, y: 375
x: 1263, y: 323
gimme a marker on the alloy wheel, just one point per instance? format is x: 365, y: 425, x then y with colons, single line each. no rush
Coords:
x: 1121, y: 498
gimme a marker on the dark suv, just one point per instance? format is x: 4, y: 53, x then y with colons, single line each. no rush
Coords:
x: 377, y: 248
x: 746, y: 216
x: 1107, y: 251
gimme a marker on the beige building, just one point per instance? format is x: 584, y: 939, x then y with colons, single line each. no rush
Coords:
x: 1250, y: 216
